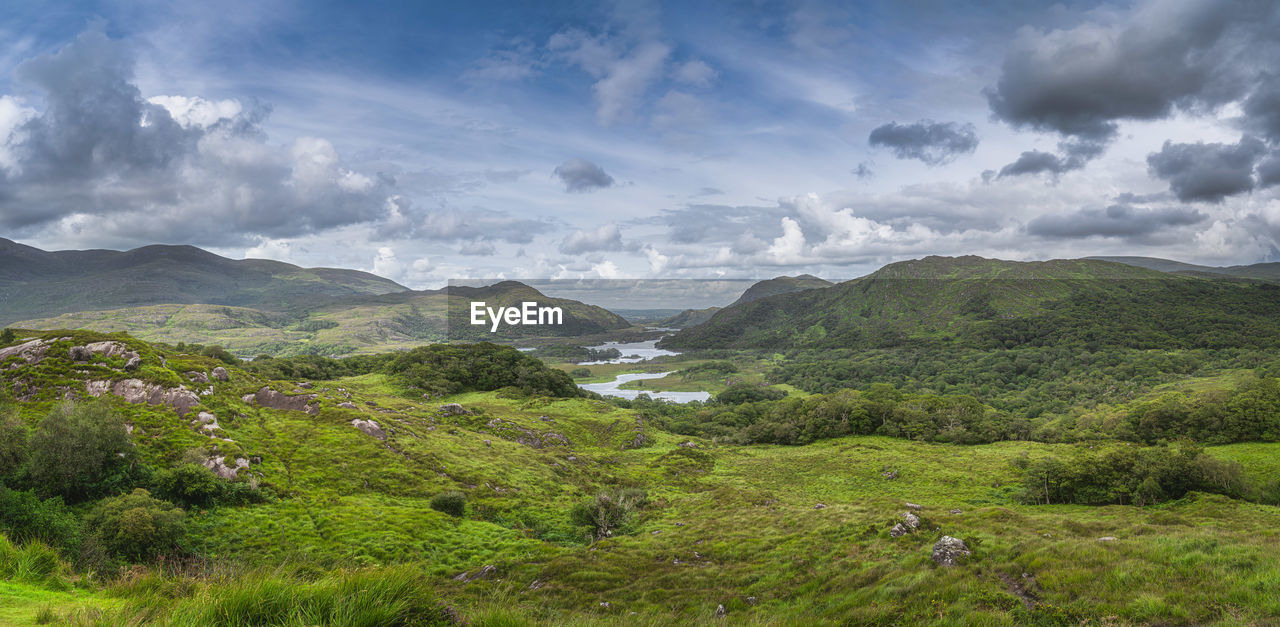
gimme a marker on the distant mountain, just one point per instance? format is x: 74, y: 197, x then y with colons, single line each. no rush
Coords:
x: 340, y: 326
x: 1266, y: 271
x: 688, y: 318
x: 36, y: 283
x: 988, y: 302
x: 781, y: 285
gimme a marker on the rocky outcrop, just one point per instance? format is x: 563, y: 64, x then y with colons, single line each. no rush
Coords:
x: 910, y: 523
x: 948, y: 551
x: 370, y: 427
x: 110, y: 349
x: 195, y: 376
x: 220, y: 374
x: 267, y: 397
x: 133, y: 363
x: 219, y: 467
x: 180, y: 398
x: 347, y: 405
x: 206, y: 421
x: 32, y: 352
x: 485, y: 572
x: 453, y: 409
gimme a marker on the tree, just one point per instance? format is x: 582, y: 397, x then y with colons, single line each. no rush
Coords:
x: 79, y: 451
x: 13, y: 443
x: 7, y: 336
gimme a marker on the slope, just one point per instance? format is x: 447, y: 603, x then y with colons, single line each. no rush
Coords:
x: 36, y: 283
x: 994, y: 303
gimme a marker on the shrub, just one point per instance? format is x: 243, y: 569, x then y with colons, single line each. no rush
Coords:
x: 580, y: 373
x: 79, y: 451
x: 188, y: 484
x: 221, y: 354
x: 7, y: 336
x: 35, y: 563
x: 13, y: 444
x: 608, y: 511
x: 136, y: 526
x: 453, y: 503
x: 24, y: 517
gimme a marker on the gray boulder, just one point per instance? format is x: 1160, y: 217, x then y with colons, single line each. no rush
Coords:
x: 79, y: 354
x: 948, y: 551
x: 133, y: 363
x: 196, y: 376
x: 370, y: 428
x: 220, y: 374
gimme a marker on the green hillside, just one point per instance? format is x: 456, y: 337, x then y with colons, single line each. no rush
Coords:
x: 334, y: 511
x: 376, y: 322
x: 781, y: 285
x: 1267, y: 271
x: 39, y: 284
x: 971, y: 301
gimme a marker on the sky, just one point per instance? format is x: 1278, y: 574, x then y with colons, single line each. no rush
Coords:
x: 429, y: 141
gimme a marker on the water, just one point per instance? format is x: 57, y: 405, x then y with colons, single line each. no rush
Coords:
x: 611, y: 388
x: 632, y: 352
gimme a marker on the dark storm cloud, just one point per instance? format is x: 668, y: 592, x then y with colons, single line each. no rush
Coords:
x: 933, y: 143
x: 1207, y: 172
x: 1171, y: 55
x: 1269, y: 171
x: 1114, y: 221
x: 580, y: 175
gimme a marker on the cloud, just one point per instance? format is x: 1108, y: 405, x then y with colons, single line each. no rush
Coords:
x: 1269, y: 171
x: 1115, y: 221
x: 932, y: 143
x: 863, y: 171
x: 97, y: 162
x: 623, y: 73
x: 515, y: 63
x: 1161, y: 58
x: 607, y: 237
x: 477, y: 224
x: 580, y: 175
x: 1207, y: 172
x: 694, y: 73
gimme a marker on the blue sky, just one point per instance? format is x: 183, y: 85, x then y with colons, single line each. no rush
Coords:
x: 429, y: 141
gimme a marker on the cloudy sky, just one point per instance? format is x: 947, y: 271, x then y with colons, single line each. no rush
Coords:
x: 429, y: 141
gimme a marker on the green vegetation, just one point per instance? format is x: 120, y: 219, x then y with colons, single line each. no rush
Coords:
x: 453, y: 503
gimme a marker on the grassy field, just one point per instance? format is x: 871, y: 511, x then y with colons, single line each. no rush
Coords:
x: 775, y: 535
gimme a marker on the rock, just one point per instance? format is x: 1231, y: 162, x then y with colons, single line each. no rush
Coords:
x: 914, y: 506
x: 955, y: 511
x: 206, y: 421
x: 348, y: 405
x: 135, y: 391
x: 1107, y: 539
x: 605, y: 605
x: 31, y: 352
x: 637, y: 442
x: 537, y: 584
x: 217, y: 465
x: 720, y: 611
x: 133, y: 363
x: 220, y: 374
x: 488, y: 443
x: 911, y: 520
x: 453, y: 409
x: 268, y: 397
x: 107, y: 349
x: 948, y: 551
x: 751, y: 600
x: 910, y: 523
x: 306, y: 385
x: 892, y: 474
x: 196, y: 376
x: 370, y: 428
x: 485, y: 572
x: 820, y: 506
x: 688, y: 445
x: 79, y: 354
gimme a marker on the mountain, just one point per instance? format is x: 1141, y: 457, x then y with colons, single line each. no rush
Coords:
x: 35, y: 283
x: 990, y: 303
x: 1266, y: 271
x: 781, y: 285
x: 688, y: 318
x: 366, y: 323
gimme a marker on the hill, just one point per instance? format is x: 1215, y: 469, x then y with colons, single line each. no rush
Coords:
x: 994, y: 303
x: 1267, y: 271
x: 781, y: 285
x: 39, y: 284
x: 339, y: 326
x: 688, y: 318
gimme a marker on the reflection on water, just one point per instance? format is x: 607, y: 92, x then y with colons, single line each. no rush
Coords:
x: 632, y: 352
x: 611, y: 388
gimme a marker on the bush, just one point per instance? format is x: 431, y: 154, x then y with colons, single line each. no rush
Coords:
x: 7, y: 336
x: 453, y: 503
x: 24, y: 517
x: 136, y: 526
x: 188, y: 484
x: 79, y: 451
x: 221, y: 354
x: 13, y: 444
x: 608, y: 511
x: 34, y: 563
x: 580, y: 373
